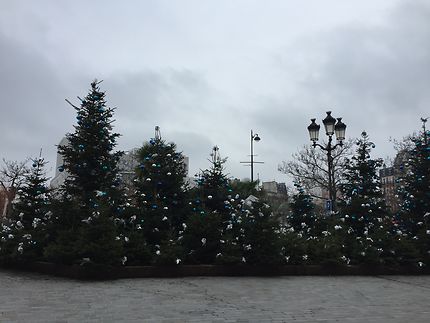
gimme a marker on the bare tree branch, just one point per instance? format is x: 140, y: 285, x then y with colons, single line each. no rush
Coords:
x: 71, y: 104
x: 310, y: 167
x: 12, y: 176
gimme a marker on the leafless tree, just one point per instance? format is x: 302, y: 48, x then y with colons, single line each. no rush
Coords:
x: 309, y: 167
x: 12, y: 175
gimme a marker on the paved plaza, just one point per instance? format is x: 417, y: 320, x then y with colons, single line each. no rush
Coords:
x: 28, y: 297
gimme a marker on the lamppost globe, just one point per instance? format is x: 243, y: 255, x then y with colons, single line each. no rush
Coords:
x: 256, y: 137
x: 340, y: 129
x: 314, y: 130
x: 329, y: 122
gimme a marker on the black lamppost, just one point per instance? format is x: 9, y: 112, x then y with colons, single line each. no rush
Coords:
x: 254, y: 137
x: 331, y: 128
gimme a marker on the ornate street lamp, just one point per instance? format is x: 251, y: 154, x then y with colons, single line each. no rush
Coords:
x: 331, y: 127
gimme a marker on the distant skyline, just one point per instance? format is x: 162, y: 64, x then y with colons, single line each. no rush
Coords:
x: 207, y: 72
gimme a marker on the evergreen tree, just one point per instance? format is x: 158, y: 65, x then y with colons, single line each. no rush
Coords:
x: 364, y: 210
x: 90, y: 196
x: 214, y: 186
x: 160, y: 197
x: 317, y: 239
x: 415, y: 193
x: 26, y: 232
x: 260, y: 234
x: 210, y: 209
x: 302, y: 217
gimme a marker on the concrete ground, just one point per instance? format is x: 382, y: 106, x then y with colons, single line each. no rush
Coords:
x: 28, y: 297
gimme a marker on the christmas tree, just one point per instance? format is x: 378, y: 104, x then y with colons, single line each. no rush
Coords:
x: 364, y: 213
x: 308, y: 236
x: 26, y: 233
x: 90, y: 198
x: 415, y: 193
x: 302, y: 217
x: 210, y: 209
x: 259, y: 234
x: 160, y: 198
x: 214, y: 186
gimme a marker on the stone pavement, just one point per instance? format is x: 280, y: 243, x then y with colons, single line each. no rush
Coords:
x: 28, y: 297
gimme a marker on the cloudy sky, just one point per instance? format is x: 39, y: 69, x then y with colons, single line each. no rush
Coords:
x: 207, y: 72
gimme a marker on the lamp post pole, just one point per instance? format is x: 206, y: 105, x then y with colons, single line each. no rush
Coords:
x: 254, y: 137
x: 252, y: 156
x: 331, y: 127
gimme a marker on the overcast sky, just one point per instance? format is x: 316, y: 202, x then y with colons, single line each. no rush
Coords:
x: 207, y: 72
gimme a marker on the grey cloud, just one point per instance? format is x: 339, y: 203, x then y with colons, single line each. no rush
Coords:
x: 374, y: 76
x: 206, y: 82
x: 33, y: 113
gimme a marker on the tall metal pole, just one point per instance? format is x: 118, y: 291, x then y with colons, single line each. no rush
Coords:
x: 330, y: 175
x: 252, y: 161
x: 252, y: 157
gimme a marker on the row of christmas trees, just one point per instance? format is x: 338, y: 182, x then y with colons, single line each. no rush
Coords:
x: 92, y: 219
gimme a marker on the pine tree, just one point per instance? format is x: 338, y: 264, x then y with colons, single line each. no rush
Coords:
x: 215, y: 187
x: 26, y: 233
x: 91, y: 199
x: 364, y: 210
x: 210, y: 209
x: 302, y: 217
x: 160, y: 197
x: 260, y: 234
x: 317, y: 240
x: 415, y: 193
